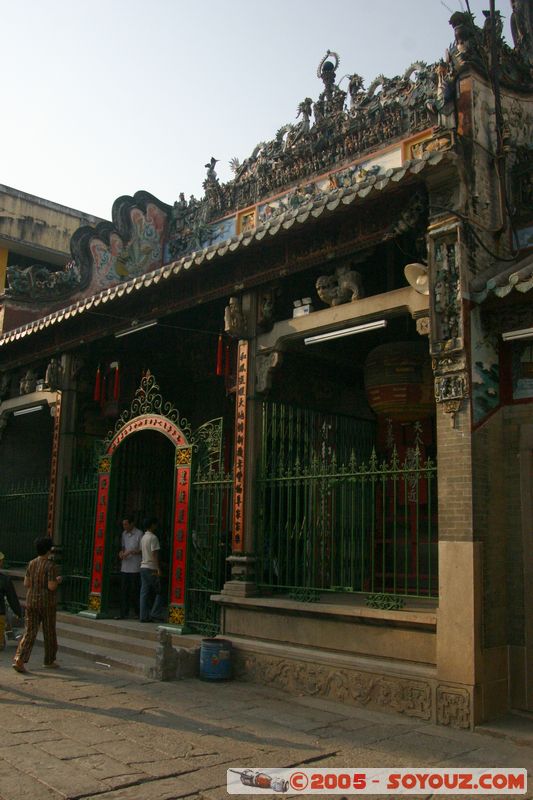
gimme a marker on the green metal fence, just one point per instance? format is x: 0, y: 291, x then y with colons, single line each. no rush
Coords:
x: 293, y: 435
x: 209, y: 546
x: 330, y: 520
x: 24, y: 515
x: 77, y: 532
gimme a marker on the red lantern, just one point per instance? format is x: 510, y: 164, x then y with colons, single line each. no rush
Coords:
x: 399, y: 381
x: 219, y: 356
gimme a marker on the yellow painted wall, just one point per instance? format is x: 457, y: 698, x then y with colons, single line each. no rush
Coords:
x: 40, y: 225
x: 3, y: 267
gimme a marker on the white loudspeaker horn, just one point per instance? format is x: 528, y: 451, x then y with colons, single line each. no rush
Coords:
x: 417, y: 276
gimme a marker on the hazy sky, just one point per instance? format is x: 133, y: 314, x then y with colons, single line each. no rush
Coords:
x: 103, y: 98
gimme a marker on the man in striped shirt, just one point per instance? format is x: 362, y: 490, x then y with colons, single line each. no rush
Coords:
x: 41, y: 582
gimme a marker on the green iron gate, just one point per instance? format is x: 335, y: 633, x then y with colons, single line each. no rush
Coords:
x: 209, y: 529
x: 331, y: 517
x: 77, y: 532
x: 24, y: 515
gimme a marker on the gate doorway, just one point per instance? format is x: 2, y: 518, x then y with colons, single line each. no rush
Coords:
x: 153, y: 464
x: 142, y: 486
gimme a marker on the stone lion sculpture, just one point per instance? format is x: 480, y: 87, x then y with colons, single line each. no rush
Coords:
x: 344, y: 286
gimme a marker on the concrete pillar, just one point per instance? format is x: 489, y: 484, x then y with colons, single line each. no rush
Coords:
x: 459, y: 659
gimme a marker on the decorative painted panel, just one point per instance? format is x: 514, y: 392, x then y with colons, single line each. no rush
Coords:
x: 484, y: 368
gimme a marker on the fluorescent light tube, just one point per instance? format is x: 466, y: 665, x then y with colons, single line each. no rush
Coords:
x: 525, y: 333
x: 326, y: 337
x: 140, y: 326
x: 20, y: 411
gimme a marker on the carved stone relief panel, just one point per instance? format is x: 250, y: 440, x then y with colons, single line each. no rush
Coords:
x: 447, y: 324
x: 390, y: 693
x: 451, y: 382
x: 446, y: 336
x: 453, y: 707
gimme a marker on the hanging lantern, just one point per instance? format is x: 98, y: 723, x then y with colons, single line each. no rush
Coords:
x: 220, y: 353
x: 399, y: 381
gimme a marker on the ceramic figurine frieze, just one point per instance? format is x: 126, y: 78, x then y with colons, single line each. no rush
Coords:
x: 522, y: 29
x: 39, y: 282
x: 446, y: 297
x: 473, y: 45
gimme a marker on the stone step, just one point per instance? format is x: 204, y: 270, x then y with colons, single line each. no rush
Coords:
x: 124, y: 644
x: 125, y: 627
x: 105, y: 657
x: 105, y: 638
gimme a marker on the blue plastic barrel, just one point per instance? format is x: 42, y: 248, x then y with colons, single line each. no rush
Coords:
x: 215, y: 660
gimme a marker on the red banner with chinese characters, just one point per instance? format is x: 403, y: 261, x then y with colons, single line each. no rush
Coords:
x: 104, y: 468
x: 181, y: 521
x: 240, y: 447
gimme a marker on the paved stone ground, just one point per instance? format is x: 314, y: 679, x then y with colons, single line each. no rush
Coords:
x: 89, y: 732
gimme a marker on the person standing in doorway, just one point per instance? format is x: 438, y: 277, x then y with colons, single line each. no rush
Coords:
x: 151, y: 600
x: 42, y: 582
x: 130, y: 566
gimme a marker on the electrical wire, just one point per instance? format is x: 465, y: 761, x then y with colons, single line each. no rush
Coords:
x: 116, y: 318
x: 470, y: 224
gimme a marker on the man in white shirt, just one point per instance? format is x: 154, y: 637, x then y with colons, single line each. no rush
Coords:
x: 130, y: 566
x: 152, y: 602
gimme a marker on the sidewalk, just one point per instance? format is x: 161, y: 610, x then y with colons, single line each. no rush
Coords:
x: 90, y: 732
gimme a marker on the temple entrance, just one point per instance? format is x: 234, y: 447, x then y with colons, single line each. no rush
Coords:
x: 154, y: 465
x: 142, y: 486
x: 154, y: 479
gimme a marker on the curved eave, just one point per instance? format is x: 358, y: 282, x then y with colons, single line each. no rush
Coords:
x: 334, y: 200
x: 519, y: 276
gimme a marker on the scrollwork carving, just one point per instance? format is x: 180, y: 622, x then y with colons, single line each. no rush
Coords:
x: 148, y: 400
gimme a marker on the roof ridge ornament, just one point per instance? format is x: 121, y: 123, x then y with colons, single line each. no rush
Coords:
x: 326, y: 70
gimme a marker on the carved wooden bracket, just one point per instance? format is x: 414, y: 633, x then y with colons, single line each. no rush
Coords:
x: 423, y: 326
x: 264, y: 365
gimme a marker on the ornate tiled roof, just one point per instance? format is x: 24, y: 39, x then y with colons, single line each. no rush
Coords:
x: 502, y: 278
x: 295, y: 217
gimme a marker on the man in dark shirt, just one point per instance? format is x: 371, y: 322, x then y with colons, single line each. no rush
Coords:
x: 7, y: 592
